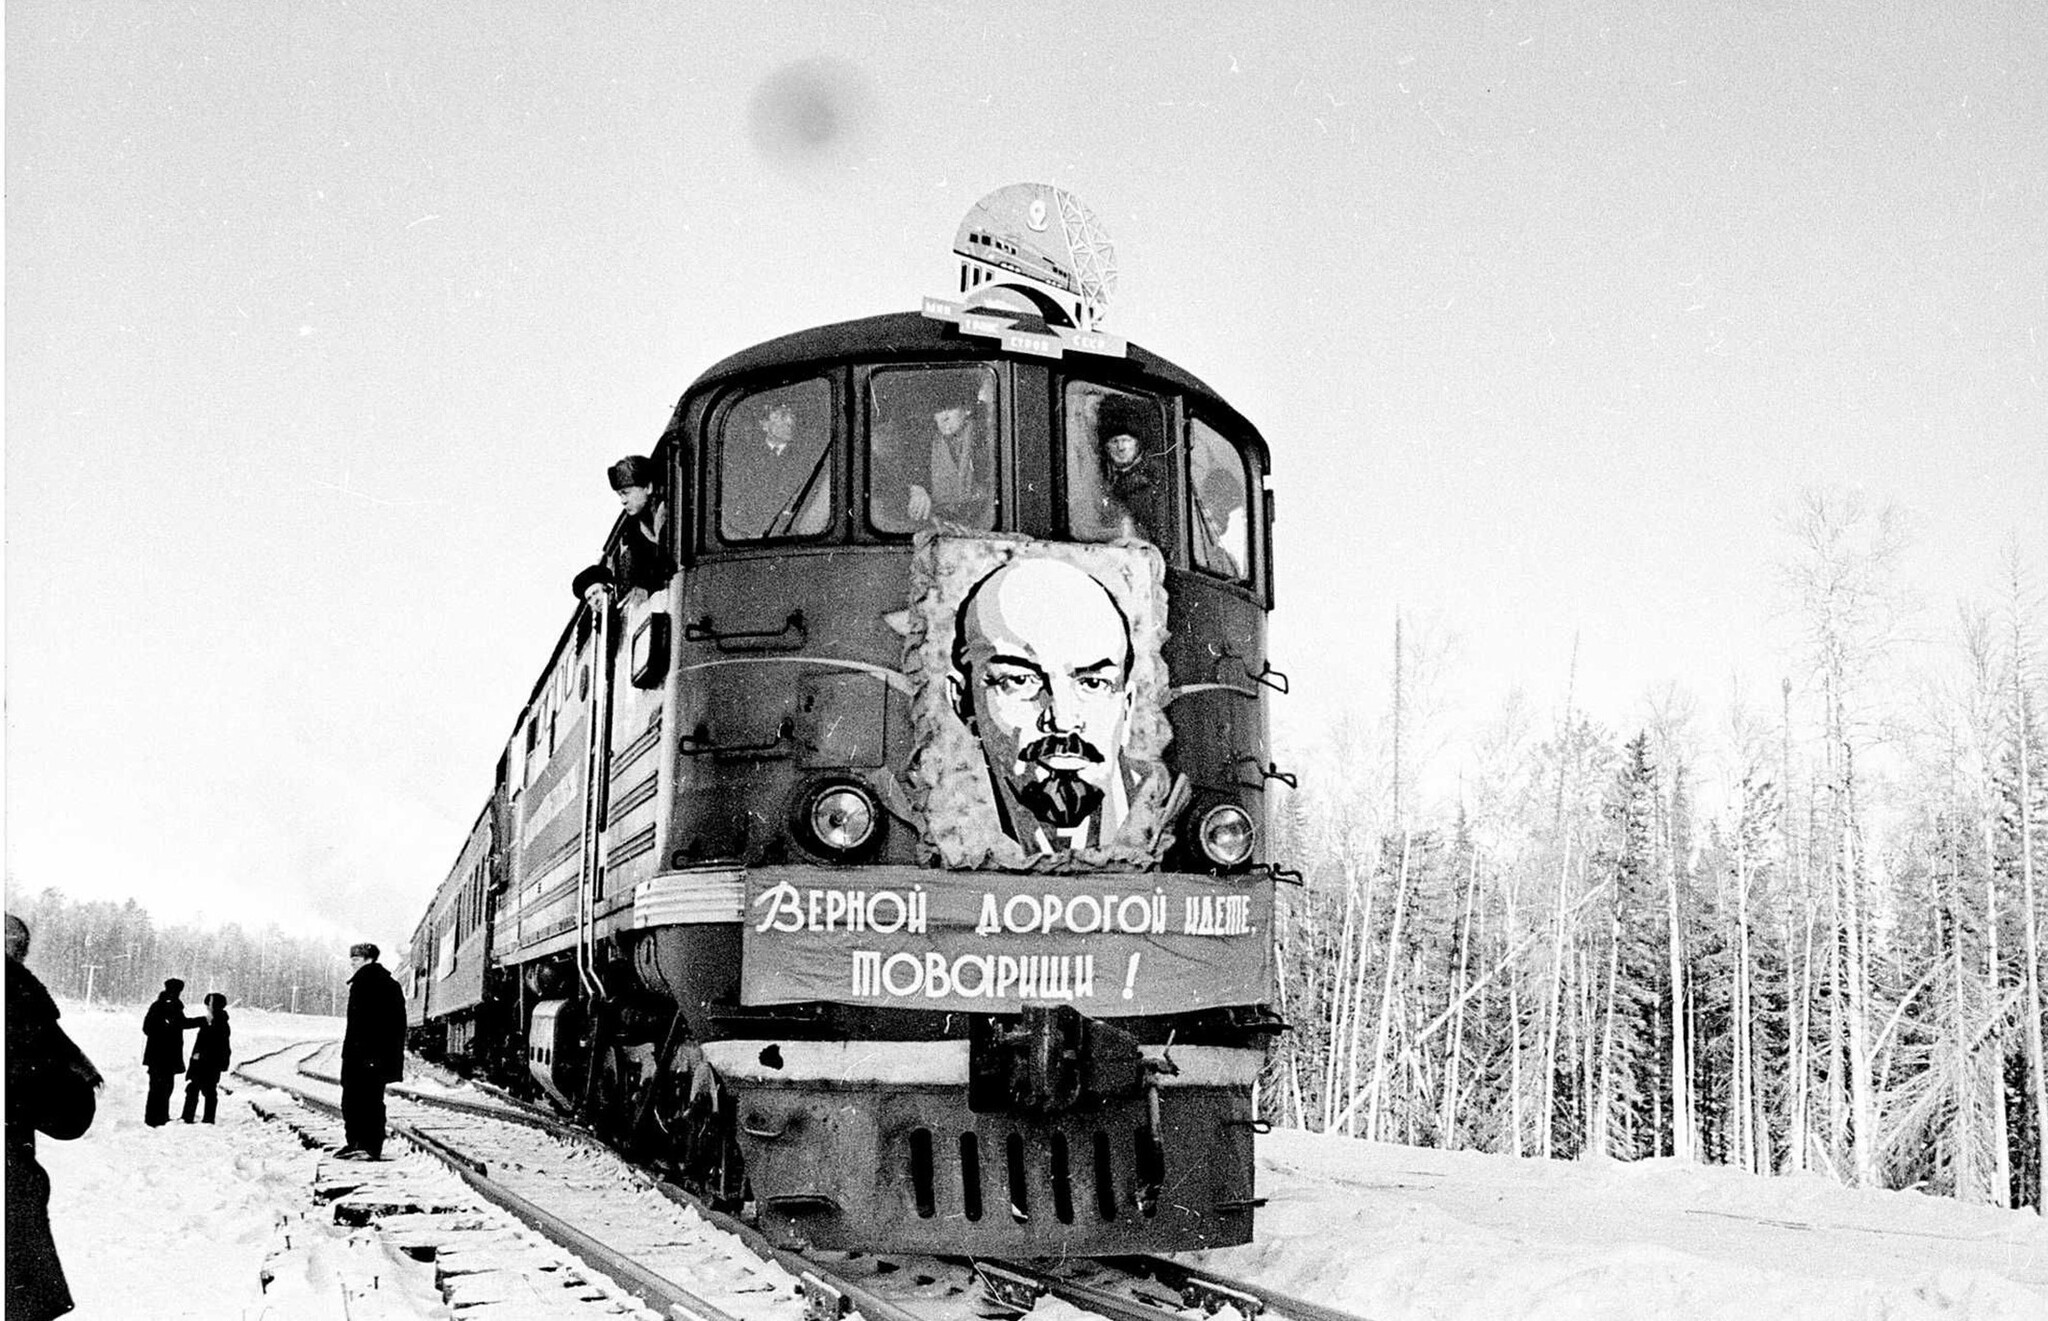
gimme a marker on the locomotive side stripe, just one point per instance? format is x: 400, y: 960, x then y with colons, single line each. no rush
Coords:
x: 640, y: 793
x: 642, y: 743
x: 640, y: 842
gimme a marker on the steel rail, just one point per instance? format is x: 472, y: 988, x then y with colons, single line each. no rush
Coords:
x: 658, y: 1291
x: 678, y: 1302
x: 871, y: 1306
x: 1017, y: 1285
x: 1196, y: 1286
x: 512, y: 1109
x: 1188, y: 1279
x: 816, y: 1276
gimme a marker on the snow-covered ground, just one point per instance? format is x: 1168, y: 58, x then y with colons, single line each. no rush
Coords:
x: 177, y: 1222
x: 173, y: 1221
x: 1413, y: 1232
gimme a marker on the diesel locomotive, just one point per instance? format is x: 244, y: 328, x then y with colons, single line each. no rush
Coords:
x: 881, y: 846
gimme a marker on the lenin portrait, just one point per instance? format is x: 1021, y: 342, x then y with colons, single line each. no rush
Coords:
x: 1040, y: 701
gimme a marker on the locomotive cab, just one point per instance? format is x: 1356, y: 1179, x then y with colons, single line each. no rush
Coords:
x: 816, y: 468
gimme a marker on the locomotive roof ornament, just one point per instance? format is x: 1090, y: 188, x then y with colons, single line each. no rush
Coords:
x: 1036, y: 271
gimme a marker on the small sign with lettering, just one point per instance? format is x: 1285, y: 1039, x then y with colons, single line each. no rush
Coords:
x: 1052, y: 342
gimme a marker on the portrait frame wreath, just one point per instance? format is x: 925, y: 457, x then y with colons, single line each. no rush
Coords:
x: 949, y: 779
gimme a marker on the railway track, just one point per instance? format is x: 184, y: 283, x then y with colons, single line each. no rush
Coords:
x: 663, y: 1251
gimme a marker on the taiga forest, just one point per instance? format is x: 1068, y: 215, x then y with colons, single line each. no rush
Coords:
x: 1792, y: 930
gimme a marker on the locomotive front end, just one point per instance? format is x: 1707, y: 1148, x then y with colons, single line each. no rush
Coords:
x: 883, y: 844
x: 1043, y: 1065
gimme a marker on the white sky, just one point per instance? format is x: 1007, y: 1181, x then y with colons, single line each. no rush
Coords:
x: 323, y: 321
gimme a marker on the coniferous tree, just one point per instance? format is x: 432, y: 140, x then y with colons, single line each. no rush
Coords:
x: 1625, y: 1104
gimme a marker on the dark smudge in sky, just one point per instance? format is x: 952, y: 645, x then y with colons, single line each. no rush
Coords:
x: 809, y: 112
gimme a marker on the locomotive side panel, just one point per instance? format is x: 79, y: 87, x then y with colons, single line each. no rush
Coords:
x: 546, y: 802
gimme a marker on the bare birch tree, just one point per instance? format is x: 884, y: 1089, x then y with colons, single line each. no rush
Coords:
x: 2025, y: 735
x: 1843, y: 579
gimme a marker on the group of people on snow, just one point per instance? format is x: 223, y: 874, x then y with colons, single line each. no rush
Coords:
x: 163, y: 1053
x: 52, y: 1089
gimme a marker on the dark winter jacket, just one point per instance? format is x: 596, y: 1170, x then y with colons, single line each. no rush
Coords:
x: 210, y: 1048
x: 373, y: 1045
x: 638, y: 560
x: 50, y: 1085
x: 163, y: 1028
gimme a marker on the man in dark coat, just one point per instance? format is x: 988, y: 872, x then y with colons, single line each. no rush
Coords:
x: 639, y: 561
x: 50, y: 1085
x: 372, y: 1052
x: 210, y: 1052
x: 163, y: 1051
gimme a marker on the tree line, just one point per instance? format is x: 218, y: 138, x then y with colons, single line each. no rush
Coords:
x: 1804, y: 938
x: 101, y: 952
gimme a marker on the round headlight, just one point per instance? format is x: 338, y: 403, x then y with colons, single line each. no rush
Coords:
x: 1226, y: 835
x: 841, y: 818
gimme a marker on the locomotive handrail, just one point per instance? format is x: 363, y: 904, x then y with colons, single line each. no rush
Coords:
x: 1265, y: 675
x: 1270, y: 677
x: 698, y: 743
x: 1270, y: 771
x: 702, y: 629
x: 596, y: 790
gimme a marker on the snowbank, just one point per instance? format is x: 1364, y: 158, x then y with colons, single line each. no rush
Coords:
x: 1405, y: 1232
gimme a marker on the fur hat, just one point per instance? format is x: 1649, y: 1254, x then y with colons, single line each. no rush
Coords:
x: 633, y: 470
x: 589, y: 578
x: 362, y: 949
x: 174, y: 984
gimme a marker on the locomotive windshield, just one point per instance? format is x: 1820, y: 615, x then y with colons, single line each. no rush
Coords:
x: 1118, y: 466
x: 932, y: 433
x: 1219, y: 487
x: 774, y: 463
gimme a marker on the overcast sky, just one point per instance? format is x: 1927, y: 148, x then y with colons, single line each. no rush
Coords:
x: 323, y: 321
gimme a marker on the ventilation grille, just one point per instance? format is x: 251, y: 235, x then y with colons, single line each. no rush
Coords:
x: 974, y: 1173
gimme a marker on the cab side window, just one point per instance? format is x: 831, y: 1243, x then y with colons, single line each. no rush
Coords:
x: 932, y: 448
x: 774, y: 457
x: 1117, y: 465
x: 1219, y: 491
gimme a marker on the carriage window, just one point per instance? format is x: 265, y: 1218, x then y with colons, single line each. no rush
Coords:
x: 1220, y: 489
x: 1117, y: 456
x: 775, y: 464
x: 932, y: 456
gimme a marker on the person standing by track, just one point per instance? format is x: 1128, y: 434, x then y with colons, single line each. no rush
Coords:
x: 372, y: 1052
